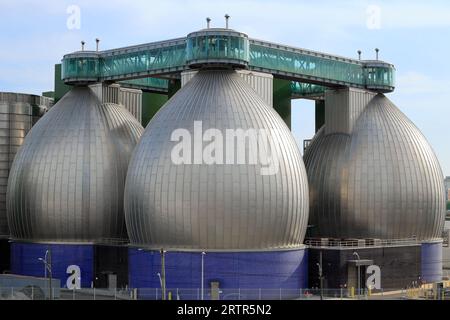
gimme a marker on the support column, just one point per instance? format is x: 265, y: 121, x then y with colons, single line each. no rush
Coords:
x: 320, y: 114
x: 282, y: 99
x: 60, y: 87
x: 151, y: 103
x: 174, y: 86
x: 343, y: 108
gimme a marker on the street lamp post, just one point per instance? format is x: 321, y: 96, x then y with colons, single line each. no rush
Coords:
x: 203, y: 275
x: 160, y: 282
x: 163, y: 274
x: 319, y: 265
x: 47, y: 261
x: 359, y: 272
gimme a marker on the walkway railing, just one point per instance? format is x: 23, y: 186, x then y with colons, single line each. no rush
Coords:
x: 343, y: 243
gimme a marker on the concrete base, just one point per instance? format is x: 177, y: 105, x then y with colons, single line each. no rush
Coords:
x: 103, y: 266
x: 431, y: 261
x: 4, y: 255
x: 227, y: 275
x: 400, y: 266
x: 25, y: 260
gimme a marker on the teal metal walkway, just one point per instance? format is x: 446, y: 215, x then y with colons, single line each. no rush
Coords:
x: 149, y: 66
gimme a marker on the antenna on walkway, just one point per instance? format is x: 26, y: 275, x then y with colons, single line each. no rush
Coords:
x: 208, y: 22
x: 227, y: 17
x: 359, y: 54
x: 377, y: 51
x: 97, y: 41
x: 82, y: 45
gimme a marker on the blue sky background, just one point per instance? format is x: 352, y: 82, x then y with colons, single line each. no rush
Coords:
x: 414, y: 35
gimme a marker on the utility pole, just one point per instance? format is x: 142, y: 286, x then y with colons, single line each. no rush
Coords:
x: 47, y: 261
x: 163, y: 274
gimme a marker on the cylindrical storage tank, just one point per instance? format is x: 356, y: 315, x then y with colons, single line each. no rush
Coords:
x: 431, y: 261
x: 18, y: 113
x: 188, y: 187
x: 375, y: 176
x: 66, y: 183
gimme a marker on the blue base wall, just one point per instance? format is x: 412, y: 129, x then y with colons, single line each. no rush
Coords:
x: 24, y: 260
x: 257, y: 274
x: 432, y: 261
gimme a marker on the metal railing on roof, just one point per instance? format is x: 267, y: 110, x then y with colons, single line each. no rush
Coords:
x: 345, y: 243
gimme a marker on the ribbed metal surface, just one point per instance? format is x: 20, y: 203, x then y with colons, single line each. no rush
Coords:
x: 18, y: 112
x: 345, y: 108
x: 215, y: 206
x: 262, y: 83
x: 66, y: 182
x: 131, y: 99
x: 382, y: 180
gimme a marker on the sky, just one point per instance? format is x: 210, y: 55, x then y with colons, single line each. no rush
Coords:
x: 413, y: 35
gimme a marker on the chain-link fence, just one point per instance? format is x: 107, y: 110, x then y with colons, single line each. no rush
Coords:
x: 192, y: 294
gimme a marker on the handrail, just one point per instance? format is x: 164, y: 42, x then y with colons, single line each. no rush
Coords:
x: 344, y: 243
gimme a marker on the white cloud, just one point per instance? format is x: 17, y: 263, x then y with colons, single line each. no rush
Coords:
x: 409, y: 14
x: 319, y: 15
x: 413, y: 82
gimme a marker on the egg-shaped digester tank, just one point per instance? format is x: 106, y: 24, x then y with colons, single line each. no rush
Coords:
x: 66, y: 182
x: 379, y: 180
x: 216, y: 205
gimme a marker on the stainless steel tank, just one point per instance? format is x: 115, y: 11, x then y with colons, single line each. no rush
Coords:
x: 66, y: 182
x: 379, y: 180
x: 204, y: 205
x: 18, y: 113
